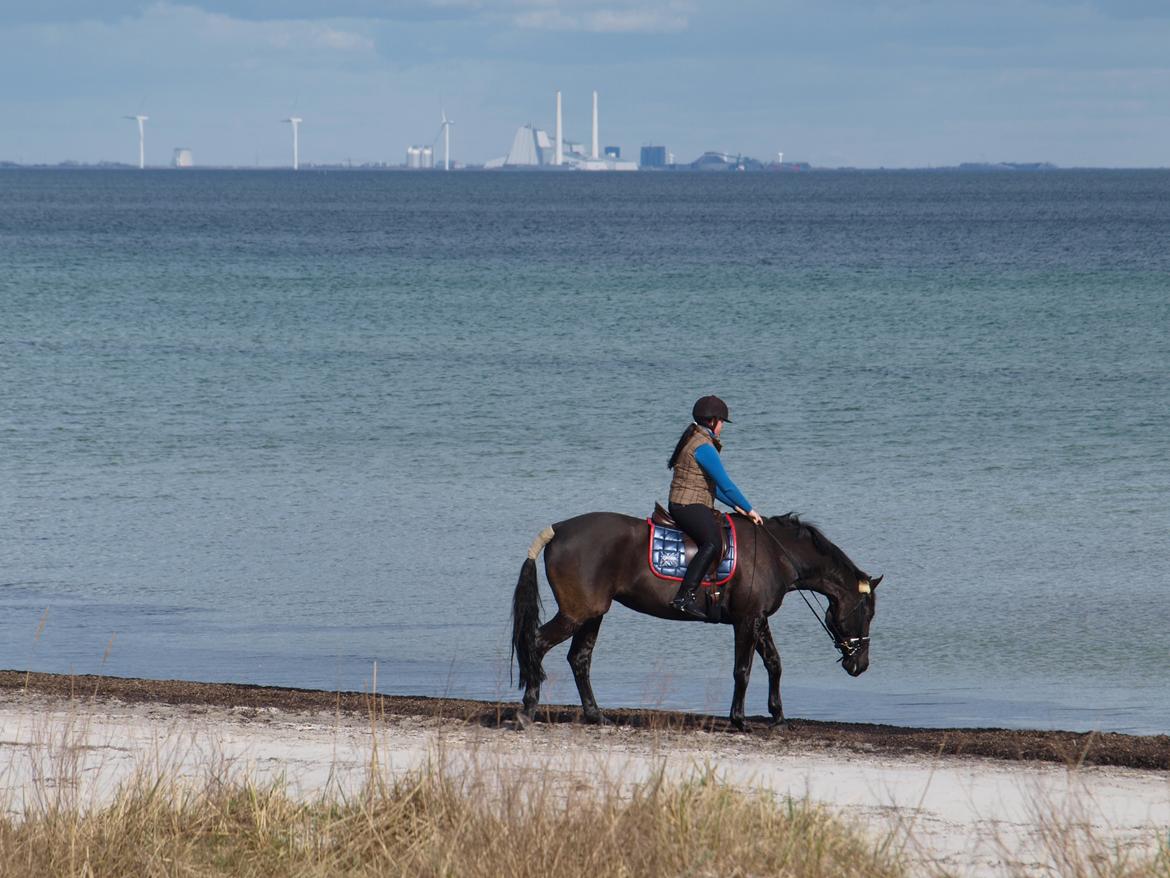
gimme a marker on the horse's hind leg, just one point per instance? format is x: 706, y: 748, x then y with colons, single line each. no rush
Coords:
x: 580, y: 657
x: 770, y: 655
x: 552, y: 632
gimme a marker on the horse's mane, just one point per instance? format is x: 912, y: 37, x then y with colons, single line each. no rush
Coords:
x: 820, y: 542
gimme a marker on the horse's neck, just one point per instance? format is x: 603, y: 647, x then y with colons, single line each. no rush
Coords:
x: 813, y: 575
x: 822, y: 586
x: 802, y: 566
x: 819, y: 573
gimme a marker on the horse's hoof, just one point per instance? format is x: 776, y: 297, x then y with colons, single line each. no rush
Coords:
x: 598, y: 719
x: 523, y: 720
x: 778, y: 725
x: 741, y: 724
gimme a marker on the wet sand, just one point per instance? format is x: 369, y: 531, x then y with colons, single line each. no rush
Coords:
x: 1065, y: 748
x: 969, y: 801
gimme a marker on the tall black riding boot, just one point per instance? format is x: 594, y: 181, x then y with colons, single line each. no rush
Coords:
x: 685, y: 600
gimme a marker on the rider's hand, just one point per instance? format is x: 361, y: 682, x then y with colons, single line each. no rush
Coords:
x: 755, y: 517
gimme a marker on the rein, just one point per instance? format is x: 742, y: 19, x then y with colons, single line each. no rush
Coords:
x: 848, y: 646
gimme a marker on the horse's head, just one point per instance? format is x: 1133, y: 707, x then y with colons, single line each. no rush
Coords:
x: 817, y: 564
x: 850, y: 611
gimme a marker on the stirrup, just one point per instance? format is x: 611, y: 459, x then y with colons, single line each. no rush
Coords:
x: 687, y: 604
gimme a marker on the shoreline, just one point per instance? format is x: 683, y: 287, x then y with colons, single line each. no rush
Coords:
x: 957, y: 802
x: 1071, y: 749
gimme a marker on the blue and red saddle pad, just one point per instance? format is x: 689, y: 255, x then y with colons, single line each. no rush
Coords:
x: 667, y: 554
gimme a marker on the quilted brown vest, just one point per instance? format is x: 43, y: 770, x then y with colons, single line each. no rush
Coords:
x: 690, y: 484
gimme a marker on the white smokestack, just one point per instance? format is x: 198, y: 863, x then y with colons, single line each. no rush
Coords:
x: 595, y: 155
x: 560, y: 149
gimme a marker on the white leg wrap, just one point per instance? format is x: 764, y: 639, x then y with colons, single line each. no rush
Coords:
x: 542, y: 540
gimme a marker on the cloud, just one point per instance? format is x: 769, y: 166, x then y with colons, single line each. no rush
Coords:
x: 600, y: 16
x: 170, y: 34
x: 571, y: 17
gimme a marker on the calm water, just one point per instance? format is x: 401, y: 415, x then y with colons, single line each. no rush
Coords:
x: 275, y: 428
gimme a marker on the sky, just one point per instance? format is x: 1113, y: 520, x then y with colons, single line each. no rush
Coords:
x: 861, y: 83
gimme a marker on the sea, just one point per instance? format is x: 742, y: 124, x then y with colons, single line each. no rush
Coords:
x: 299, y: 429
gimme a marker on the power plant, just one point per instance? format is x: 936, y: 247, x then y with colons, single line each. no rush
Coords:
x: 533, y: 148
x: 182, y: 158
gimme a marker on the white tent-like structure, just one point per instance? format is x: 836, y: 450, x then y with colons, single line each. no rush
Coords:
x: 531, y: 147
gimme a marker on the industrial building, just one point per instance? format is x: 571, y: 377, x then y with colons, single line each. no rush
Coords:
x: 420, y: 157
x: 533, y: 148
x: 182, y: 158
x: 713, y: 160
x: 653, y: 157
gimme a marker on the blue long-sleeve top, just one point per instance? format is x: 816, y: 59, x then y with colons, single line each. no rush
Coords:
x: 725, y: 490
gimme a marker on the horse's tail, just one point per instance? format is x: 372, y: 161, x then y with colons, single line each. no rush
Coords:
x: 526, y: 615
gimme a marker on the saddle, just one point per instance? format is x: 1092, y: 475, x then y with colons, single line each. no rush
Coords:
x: 671, y: 550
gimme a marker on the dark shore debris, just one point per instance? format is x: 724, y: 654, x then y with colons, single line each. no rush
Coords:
x: 1150, y: 752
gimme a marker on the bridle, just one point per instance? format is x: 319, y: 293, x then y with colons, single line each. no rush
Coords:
x: 847, y: 646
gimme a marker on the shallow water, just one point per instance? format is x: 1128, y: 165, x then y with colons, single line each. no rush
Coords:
x: 275, y: 428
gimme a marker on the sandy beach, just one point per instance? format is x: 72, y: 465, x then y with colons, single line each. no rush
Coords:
x: 968, y: 814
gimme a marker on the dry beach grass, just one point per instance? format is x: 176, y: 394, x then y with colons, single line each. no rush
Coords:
x: 97, y: 785
x: 431, y: 823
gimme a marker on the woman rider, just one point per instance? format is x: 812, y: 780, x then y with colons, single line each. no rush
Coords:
x: 699, y: 479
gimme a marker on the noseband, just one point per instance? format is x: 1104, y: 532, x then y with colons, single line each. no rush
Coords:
x: 850, y: 646
x: 847, y: 646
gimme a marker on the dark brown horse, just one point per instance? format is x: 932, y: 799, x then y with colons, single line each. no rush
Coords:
x: 601, y: 557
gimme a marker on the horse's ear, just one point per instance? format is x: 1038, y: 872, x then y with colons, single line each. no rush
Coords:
x: 873, y: 583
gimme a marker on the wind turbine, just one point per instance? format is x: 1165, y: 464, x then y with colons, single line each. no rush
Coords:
x: 141, y: 139
x: 445, y: 130
x: 295, y: 121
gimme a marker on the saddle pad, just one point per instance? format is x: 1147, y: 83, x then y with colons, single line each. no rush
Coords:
x: 667, y: 553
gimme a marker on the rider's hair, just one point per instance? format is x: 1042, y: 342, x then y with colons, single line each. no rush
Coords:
x: 709, y: 423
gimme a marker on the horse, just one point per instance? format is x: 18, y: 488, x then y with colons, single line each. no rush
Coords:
x: 597, y: 558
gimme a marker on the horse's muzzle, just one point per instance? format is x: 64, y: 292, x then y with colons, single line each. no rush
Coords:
x: 856, y: 664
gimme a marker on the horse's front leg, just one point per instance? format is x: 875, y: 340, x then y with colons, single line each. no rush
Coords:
x: 746, y: 636
x: 770, y: 655
x: 580, y: 657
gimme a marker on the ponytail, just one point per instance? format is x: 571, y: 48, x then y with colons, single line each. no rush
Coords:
x: 687, y: 434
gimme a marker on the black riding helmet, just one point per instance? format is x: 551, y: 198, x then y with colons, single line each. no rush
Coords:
x: 710, y: 407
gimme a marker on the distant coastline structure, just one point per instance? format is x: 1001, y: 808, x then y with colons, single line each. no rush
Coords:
x: 420, y: 157
x: 445, y: 125
x: 533, y: 148
x: 182, y: 158
x: 141, y: 120
x: 593, y: 154
x: 295, y: 121
x: 653, y: 157
x: 560, y: 156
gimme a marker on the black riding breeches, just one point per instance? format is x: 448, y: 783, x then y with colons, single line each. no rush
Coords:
x: 699, y: 523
